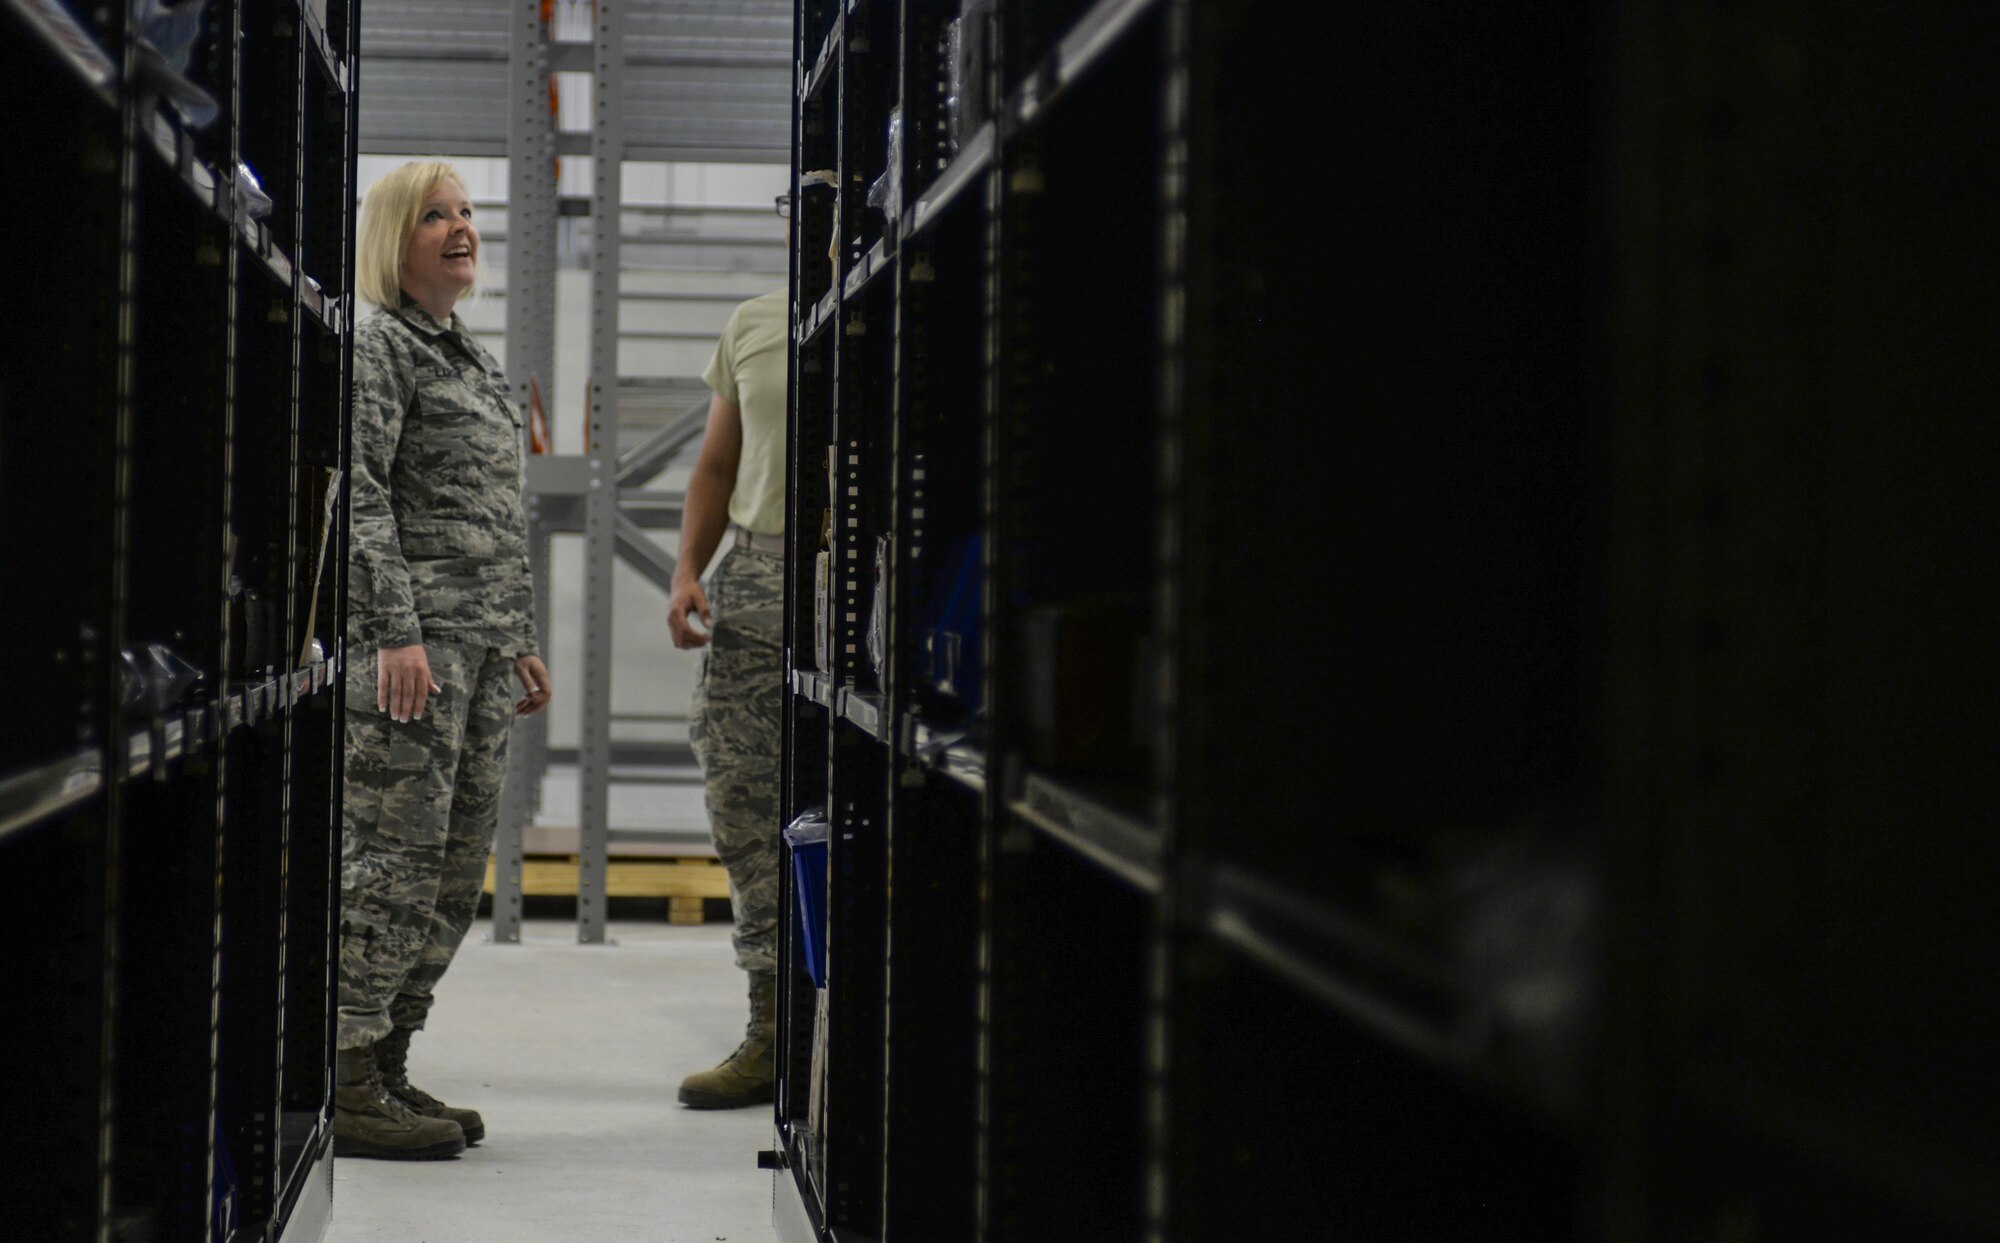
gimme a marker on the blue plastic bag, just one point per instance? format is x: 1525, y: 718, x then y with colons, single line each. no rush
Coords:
x: 807, y: 836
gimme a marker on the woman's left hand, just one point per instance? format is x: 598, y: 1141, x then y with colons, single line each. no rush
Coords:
x: 534, y: 676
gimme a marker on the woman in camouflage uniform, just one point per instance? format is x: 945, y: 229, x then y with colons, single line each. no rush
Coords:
x: 439, y: 628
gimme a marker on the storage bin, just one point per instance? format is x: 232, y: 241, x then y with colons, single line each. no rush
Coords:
x: 807, y: 837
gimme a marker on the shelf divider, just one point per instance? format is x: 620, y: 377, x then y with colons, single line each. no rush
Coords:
x: 1113, y: 839
x: 73, y: 45
x: 32, y: 795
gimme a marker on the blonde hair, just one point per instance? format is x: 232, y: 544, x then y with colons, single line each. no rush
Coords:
x: 388, y: 218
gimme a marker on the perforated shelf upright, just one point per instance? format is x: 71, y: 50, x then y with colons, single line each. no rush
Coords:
x: 173, y: 444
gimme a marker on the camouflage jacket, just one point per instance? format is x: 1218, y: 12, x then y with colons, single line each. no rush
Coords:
x: 438, y: 546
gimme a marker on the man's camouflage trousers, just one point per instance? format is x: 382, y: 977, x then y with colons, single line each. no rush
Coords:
x: 422, y: 802
x: 734, y: 729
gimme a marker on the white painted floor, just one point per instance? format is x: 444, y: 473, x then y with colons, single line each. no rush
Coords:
x: 573, y: 1054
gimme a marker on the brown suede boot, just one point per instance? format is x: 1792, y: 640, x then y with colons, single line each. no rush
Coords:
x: 749, y: 1075
x: 392, y: 1059
x: 369, y: 1122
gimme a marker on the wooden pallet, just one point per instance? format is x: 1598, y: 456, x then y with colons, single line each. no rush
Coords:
x: 684, y: 883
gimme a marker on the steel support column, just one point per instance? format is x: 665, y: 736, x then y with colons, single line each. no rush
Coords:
x: 531, y: 310
x: 601, y: 497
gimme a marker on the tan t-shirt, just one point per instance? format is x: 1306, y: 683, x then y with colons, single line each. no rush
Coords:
x: 748, y: 371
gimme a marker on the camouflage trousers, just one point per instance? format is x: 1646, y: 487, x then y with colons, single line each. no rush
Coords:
x: 735, y: 732
x: 422, y: 802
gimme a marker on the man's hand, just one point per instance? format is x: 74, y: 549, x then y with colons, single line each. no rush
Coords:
x: 705, y: 520
x: 403, y: 681
x: 688, y: 598
x: 534, y: 676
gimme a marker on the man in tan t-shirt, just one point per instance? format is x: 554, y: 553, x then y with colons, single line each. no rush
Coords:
x: 739, y: 485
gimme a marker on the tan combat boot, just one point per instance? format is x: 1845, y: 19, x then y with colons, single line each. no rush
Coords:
x: 369, y: 1122
x: 747, y: 1076
x: 392, y: 1058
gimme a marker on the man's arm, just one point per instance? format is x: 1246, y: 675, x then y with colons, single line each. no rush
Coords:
x: 705, y: 519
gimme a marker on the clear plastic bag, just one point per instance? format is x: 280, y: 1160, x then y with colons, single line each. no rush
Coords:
x: 808, y: 827
x: 171, y: 29
x: 966, y: 48
x: 167, y: 38
x: 886, y: 195
x: 878, y: 610
x: 250, y: 196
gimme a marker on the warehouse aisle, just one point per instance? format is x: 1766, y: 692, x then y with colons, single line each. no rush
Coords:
x: 573, y: 1054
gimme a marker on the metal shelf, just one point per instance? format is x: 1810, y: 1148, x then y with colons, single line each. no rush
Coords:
x: 945, y: 752
x: 72, y: 43
x: 163, y: 740
x: 824, y: 313
x: 308, y: 1191
x: 1095, y: 35
x: 37, y: 793
x: 814, y: 685
x: 322, y: 53
x: 863, y: 709
x: 269, y: 255
x: 154, y: 745
x: 34, y: 794
x: 127, y: 833
x: 328, y: 313
x: 1516, y: 1032
x: 827, y: 62
x: 879, y: 259
x: 1374, y: 980
x: 952, y: 182
x: 175, y: 149
x: 1109, y: 837
x: 797, y: 1213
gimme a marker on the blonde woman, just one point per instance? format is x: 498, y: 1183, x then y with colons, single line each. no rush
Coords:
x: 440, y: 628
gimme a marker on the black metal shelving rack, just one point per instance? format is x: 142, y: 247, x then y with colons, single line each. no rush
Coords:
x: 173, y: 445
x: 1441, y: 756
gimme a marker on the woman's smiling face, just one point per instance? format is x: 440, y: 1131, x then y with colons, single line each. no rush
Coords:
x: 441, y: 259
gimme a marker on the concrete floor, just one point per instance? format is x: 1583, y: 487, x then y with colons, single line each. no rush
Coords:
x: 573, y: 1054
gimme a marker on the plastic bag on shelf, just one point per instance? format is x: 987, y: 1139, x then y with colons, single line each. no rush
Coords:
x: 167, y: 38
x: 172, y: 29
x: 808, y: 827
x: 154, y: 678
x: 827, y: 176
x: 954, y: 83
x: 886, y: 195
x: 967, y: 104
x: 251, y: 199
x: 878, y: 610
